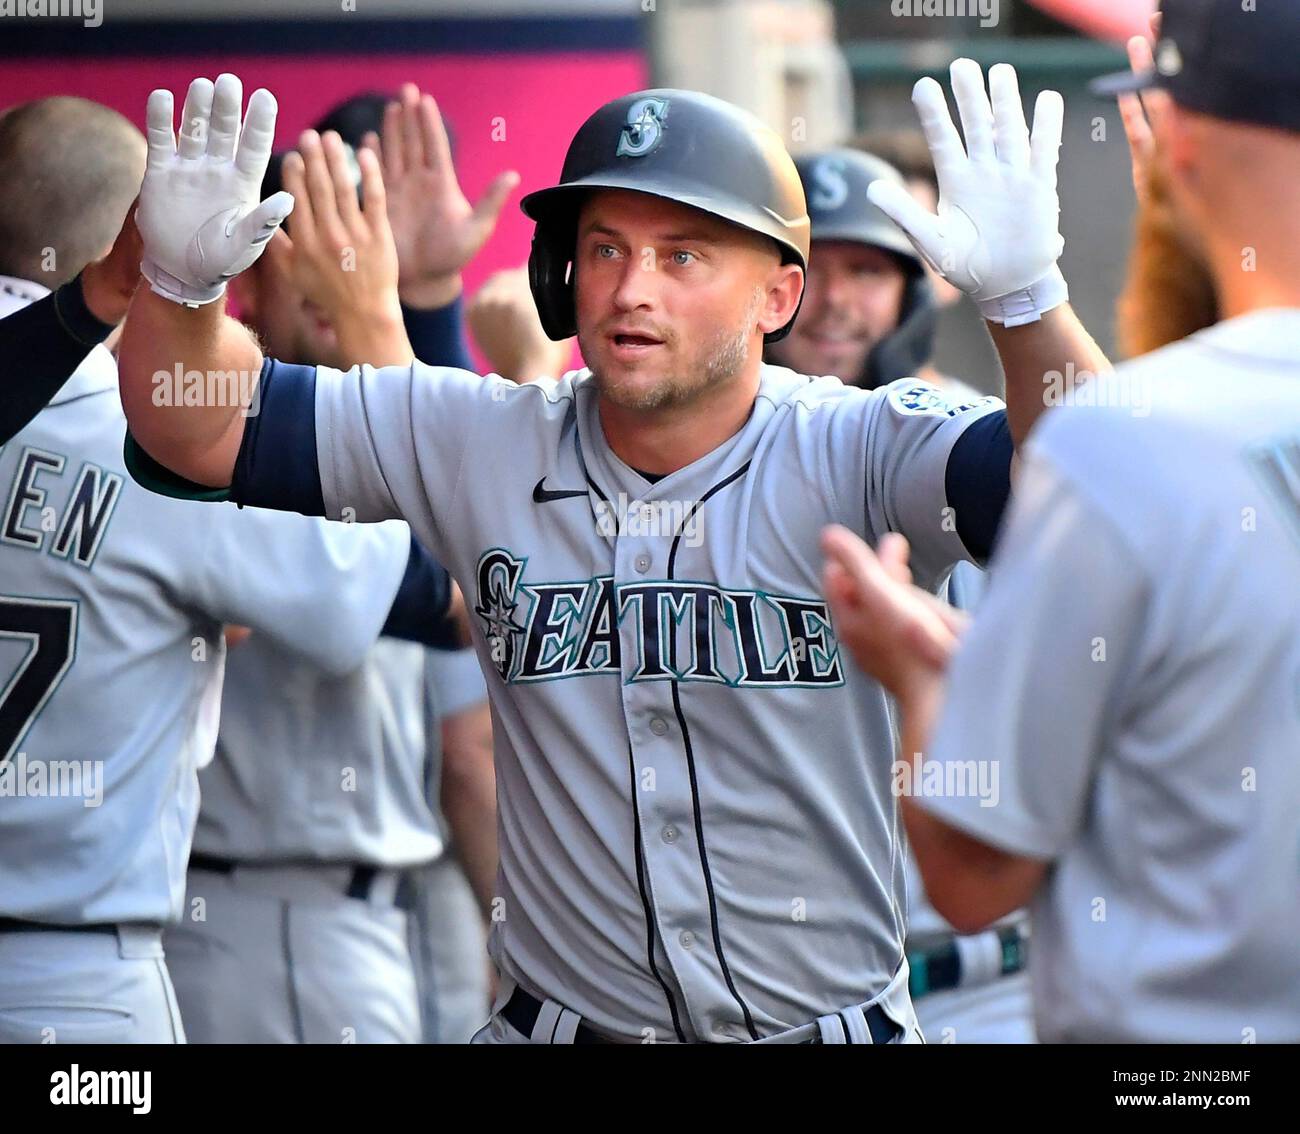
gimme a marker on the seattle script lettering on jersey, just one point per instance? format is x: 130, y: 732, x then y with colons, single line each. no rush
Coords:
x: 680, y: 630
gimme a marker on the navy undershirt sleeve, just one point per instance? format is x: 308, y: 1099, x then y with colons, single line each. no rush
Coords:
x: 978, y: 482
x: 438, y: 336
x: 277, y: 466
x: 419, y: 612
x: 42, y: 345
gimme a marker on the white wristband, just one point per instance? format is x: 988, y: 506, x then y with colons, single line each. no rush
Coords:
x: 1030, y: 304
x: 169, y: 287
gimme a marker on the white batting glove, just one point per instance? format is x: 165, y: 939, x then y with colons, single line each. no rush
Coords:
x: 997, y: 233
x: 199, y: 216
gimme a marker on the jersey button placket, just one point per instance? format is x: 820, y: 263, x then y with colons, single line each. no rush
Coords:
x: 664, y: 803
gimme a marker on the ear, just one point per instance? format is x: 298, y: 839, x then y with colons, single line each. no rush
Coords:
x: 784, y: 291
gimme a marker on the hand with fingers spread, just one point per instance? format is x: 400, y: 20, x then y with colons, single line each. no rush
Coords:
x: 901, y: 635
x: 997, y: 233
x: 199, y: 217
x: 341, y: 253
x: 436, y: 229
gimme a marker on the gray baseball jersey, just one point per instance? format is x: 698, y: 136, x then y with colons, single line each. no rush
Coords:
x: 1134, y: 677
x: 111, y: 653
x: 316, y: 766
x: 697, y: 835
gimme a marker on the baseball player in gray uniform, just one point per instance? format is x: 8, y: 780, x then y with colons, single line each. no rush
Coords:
x: 869, y: 318
x: 1144, y: 723
x: 114, y: 602
x: 698, y: 840
x: 294, y: 928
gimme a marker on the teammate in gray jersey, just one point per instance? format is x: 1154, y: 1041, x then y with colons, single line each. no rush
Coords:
x: 698, y: 840
x: 1133, y: 675
x: 869, y: 318
x: 296, y: 915
x: 294, y: 929
x: 113, y: 602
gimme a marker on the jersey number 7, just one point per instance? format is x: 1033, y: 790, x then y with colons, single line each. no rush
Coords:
x: 50, y: 628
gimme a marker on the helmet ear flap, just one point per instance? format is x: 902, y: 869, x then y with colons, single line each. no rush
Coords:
x: 550, y: 278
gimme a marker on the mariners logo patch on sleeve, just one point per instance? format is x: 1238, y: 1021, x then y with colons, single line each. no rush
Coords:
x: 919, y: 398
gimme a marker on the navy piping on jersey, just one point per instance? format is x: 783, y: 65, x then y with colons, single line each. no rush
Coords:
x: 690, y: 767
x: 645, y: 898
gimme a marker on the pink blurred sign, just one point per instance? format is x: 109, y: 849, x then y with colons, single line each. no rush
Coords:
x: 507, y: 111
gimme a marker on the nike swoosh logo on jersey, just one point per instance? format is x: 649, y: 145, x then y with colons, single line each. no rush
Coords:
x: 543, y: 495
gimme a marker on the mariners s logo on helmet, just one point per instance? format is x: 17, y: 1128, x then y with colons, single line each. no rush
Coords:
x: 644, y: 128
x: 830, y: 188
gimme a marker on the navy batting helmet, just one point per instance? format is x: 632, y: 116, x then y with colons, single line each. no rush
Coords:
x: 835, y: 182
x: 679, y: 145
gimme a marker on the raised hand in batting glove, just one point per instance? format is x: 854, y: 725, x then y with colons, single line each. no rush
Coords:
x: 200, y: 219
x: 997, y: 233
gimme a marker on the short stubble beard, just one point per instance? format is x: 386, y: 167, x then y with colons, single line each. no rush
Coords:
x: 723, y: 363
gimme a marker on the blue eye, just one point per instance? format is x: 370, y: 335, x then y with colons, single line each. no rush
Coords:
x: 682, y: 259
x: 606, y: 251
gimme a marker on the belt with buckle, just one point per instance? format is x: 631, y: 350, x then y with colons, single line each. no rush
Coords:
x: 521, y: 1012
x: 522, y: 1009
